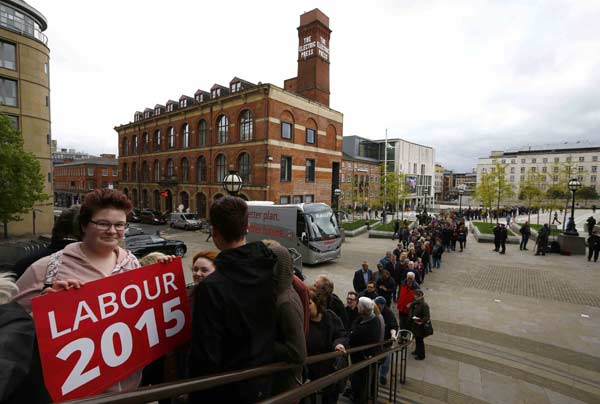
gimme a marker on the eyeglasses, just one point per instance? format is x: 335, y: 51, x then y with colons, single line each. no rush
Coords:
x: 104, y: 225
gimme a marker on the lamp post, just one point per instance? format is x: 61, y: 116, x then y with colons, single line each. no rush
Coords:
x: 460, y: 194
x: 574, y: 185
x: 233, y: 183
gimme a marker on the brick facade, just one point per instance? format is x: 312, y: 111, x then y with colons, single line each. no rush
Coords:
x: 258, y: 117
x: 75, y: 179
x: 360, y: 181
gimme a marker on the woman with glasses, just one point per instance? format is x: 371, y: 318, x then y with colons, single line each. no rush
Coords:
x: 102, y: 220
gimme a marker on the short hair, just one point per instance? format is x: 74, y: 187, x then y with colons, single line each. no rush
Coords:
x: 410, y: 275
x: 151, y: 258
x: 371, y: 282
x: 353, y: 293
x: 229, y: 216
x: 66, y: 225
x: 326, y: 285
x: 100, y: 199
x: 366, y: 304
x: 208, y: 254
x: 318, y: 298
x: 411, y: 262
x: 8, y: 287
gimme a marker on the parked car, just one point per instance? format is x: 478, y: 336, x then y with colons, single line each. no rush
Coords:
x: 187, y: 221
x: 147, y: 243
x: 134, y: 216
x: 133, y: 231
x: 151, y: 217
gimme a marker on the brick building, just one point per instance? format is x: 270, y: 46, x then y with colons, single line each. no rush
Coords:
x: 75, y: 179
x: 360, y: 181
x: 285, y: 143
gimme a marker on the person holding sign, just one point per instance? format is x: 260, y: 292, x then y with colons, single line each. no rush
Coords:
x: 103, y: 220
x: 234, y: 313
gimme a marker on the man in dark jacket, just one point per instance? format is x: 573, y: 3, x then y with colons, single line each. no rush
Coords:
x: 542, y: 240
x: 497, y: 237
x: 502, y: 236
x: 351, y: 308
x: 362, y: 277
x: 593, y: 246
x: 234, y: 309
x: 591, y: 222
x: 324, y: 285
x: 525, y: 233
x: 367, y: 330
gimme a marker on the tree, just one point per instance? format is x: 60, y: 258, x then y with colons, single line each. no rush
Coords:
x: 530, y: 191
x: 553, y: 195
x: 395, y: 188
x: 503, y: 188
x: 485, y: 191
x: 586, y: 193
x: 21, y: 181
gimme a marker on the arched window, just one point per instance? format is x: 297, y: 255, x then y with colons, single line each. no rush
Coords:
x: 156, y: 170
x: 145, y: 172
x: 185, y: 133
x: 134, y: 144
x: 134, y: 173
x: 134, y: 197
x: 125, y: 171
x: 170, y: 138
x: 170, y: 169
x: 144, y: 198
x: 157, y: 140
x: 246, y: 126
x: 146, y: 142
x: 156, y: 194
x: 202, y: 132
x: 125, y: 147
x: 185, y: 170
x: 201, y: 204
x: 221, y: 164
x: 184, y: 199
x: 201, y: 169
x: 223, y: 129
x: 244, y: 166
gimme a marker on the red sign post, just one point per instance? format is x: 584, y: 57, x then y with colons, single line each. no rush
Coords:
x: 92, y: 337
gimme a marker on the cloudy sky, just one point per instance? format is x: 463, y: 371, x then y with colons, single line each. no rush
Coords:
x: 465, y: 77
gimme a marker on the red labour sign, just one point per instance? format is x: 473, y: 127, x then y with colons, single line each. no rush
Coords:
x: 92, y: 337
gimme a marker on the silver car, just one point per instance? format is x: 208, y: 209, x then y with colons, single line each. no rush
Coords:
x: 187, y: 221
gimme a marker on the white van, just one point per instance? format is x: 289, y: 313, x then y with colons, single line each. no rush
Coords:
x: 187, y: 221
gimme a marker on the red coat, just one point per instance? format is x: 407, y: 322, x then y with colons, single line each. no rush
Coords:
x: 407, y: 295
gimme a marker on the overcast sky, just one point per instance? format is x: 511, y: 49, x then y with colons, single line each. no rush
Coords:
x: 465, y: 77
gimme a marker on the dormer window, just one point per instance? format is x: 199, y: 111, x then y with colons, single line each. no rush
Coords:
x: 169, y: 107
x: 235, y: 87
x: 216, y: 93
x: 200, y: 98
x: 147, y: 114
x: 157, y: 111
x: 138, y: 116
x: 183, y: 103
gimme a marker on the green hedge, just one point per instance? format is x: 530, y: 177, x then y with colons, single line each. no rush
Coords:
x: 356, y: 224
x: 553, y: 231
x: 389, y: 226
x: 488, y: 228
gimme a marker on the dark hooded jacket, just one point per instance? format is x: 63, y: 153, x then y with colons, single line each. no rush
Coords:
x: 21, y: 378
x: 290, y: 340
x: 234, y: 323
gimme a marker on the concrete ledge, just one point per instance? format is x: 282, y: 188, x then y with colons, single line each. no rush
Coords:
x: 571, y: 245
x: 354, y: 233
x: 489, y: 238
x: 380, y: 234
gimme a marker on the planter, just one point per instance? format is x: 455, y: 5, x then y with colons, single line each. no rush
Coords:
x: 489, y: 238
x: 380, y: 234
x: 356, y: 232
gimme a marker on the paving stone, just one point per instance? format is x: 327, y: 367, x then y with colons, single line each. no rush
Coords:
x: 469, y: 373
x: 532, y: 394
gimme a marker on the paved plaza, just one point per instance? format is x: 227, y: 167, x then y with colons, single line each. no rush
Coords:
x: 514, y: 328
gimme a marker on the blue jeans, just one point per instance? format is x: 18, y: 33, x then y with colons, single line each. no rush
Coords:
x: 385, y: 366
x: 436, y: 261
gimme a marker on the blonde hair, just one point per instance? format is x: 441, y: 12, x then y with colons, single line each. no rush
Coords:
x: 151, y: 258
x: 8, y: 287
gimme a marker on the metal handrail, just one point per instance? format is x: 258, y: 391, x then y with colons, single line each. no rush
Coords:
x: 173, y: 389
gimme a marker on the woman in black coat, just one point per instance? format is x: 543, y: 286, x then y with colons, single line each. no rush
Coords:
x: 418, y: 315
x: 326, y: 333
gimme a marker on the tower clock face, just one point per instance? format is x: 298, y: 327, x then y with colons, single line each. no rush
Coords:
x: 312, y: 46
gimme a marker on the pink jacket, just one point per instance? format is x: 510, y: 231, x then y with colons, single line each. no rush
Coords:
x: 74, y: 264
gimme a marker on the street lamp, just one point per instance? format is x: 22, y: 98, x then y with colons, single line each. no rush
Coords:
x: 574, y: 185
x: 461, y: 190
x: 233, y: 183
